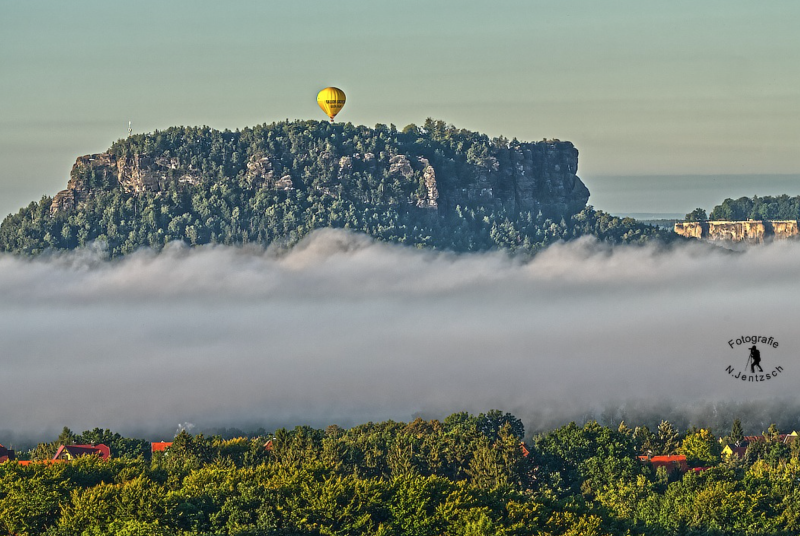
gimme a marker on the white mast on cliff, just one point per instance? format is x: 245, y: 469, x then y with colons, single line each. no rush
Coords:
x: 129, y: 129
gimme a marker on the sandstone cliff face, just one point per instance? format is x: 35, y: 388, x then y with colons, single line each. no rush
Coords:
x: 692, y: 229
x: 784, y: 229
x: 88, y: 172
x: 429, y: 199
x: 63, y: 201
x: 751, y: 231
x: 533, y: 177
x: 142, y: 173
x: 266, y: 172
x: 541, y: 176
x: 135, y: 174
x: 419, y: 169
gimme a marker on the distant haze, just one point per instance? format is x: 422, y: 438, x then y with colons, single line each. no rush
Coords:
x: 680, y: 194
x: 345, y: 330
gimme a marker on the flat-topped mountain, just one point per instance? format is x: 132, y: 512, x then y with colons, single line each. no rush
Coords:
x: 434, y: 185
x: 516, y: 177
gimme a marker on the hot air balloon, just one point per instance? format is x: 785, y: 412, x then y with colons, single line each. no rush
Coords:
x: 331, y: 100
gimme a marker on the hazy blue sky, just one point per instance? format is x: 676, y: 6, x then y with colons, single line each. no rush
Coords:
x: 642, y: 88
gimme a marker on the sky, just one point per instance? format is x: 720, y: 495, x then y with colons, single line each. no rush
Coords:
x: 342, y: 329
x: 642, y: 88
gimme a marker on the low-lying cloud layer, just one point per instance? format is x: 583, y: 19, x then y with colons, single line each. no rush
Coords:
x: 345, y: 330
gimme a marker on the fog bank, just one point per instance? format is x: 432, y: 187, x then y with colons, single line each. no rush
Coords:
x: 345, y: 330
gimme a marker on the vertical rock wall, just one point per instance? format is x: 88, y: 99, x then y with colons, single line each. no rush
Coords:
x: 751, y: 231
x: 520, y: 177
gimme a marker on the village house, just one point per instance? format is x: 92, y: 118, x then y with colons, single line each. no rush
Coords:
x: 739, y: 448
x: 160, y: 446
x: 782, y: 438
x: 735, y: 449
x: 71, y: 452
x: 671, y: 463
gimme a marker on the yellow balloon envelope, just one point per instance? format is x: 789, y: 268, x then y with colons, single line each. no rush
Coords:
x: 331, y: 100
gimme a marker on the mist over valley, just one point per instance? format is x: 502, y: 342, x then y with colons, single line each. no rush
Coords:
x: 345, y: 329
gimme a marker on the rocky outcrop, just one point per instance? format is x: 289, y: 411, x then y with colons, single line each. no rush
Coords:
x: 750, y: 231
x: 134, y: 174
x: 400, y: 164
x: 63, y: 201
x: 538, y: 177
x: 266, y: 172
x: 143, y: 173
x: 420, y: 169
x: 428, y: 199
x: 782, y: 229
x: 516, y: 177
x: 693, y: 229
x: 89, y: 172
x: 535, y: 177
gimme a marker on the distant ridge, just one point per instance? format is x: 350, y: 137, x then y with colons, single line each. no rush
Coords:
x: 650, y: 215
x: 628, y: 194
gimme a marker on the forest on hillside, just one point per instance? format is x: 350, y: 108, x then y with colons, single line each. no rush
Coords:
x: 781, y: 207
x: 465, y: 475
x: 325, y: 175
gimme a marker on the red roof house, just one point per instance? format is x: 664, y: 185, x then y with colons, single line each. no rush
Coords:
x: 782, y: 438
x: 160, y: 446
x: 672, y: 463
x: 70, y: 452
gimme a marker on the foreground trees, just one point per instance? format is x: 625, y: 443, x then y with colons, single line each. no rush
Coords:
x: 467, y: 475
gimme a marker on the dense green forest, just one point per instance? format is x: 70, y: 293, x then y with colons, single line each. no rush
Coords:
x: 466, y: 475
x: 768, y: 207
x: 211, y: 190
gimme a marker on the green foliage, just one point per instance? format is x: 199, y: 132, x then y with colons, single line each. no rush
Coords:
x: 464, y: 476
x: 30, y: 501
x: 645, y: 442
x: 493, y: 422
x: 224, y: 202
x: 698, y: 214
x: 121, y: 447
x: 781, y: 207
x: 572, y: 459
x: 701, y: 448
x: 668, y: 440
x: 737, y: 433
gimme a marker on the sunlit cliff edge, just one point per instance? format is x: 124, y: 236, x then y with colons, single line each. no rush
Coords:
x: 750, y: 231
